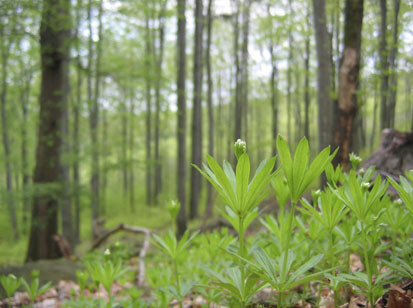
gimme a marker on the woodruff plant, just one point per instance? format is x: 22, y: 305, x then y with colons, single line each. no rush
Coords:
x: 240, y: 194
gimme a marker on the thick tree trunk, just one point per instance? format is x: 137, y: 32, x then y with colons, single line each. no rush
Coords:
x: 393, y: 65
x: 181, y: 125
x: 55, y: 50
x: 5, y: 52
x: 325, y: 103
x: 384, y: 67
x: 158, y: 159
x: 348, y: 80
x: 196, y: 183
x: 210, y: 104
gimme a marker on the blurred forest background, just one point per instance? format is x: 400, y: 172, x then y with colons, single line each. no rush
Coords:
x: 132, y: 92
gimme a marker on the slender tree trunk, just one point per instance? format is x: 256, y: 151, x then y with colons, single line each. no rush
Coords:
x: 373, y: 129
x: 76, y: 126
x: 244, y: 65
x: 131, y: 153
x: 5, y: 52
x: 196, y: 179
x: 210, y: 104
x: 384, y: 67
x: 55, y: 50
x: 158, y: 159
x: 181, y: 125
x: 307, y: 98
x: 106, y: 154
x: 290, y: 59
x: 348, y: 80
x: 124, y: 125
x: 148, y: 117
x: 24, y: 157
x: 392, y: 96
x: 325, y: 103
x: 274, y: 98
x: 238, y: 71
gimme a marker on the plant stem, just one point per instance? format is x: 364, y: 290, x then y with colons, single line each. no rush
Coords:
x: 241, y: 236
x: 368, y: 269
x: 178, y: 283
x: 287, y: 244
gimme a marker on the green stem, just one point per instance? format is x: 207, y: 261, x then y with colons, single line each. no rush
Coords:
x: 280, y: 299
x: 368, y: 268
x: 241, y: 237
x: 178, y: 283
x: 332, y: 261
x: 287, y: 244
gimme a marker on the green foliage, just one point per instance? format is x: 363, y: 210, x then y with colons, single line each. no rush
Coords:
x: 10, y: 284
x: 34, y: 289
x: 405, y: 189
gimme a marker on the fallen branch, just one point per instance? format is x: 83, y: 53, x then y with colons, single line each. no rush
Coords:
x: 120, y: 227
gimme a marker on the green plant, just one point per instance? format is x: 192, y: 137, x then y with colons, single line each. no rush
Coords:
x: 405, y: 189
x: 10, y: 284
x: 34, y: 289
x: 240, y: 195
x: 105, y: 273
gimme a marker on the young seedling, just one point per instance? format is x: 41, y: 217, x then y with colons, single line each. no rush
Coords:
x: 10, y: 284
x: 405, y: 189
x: 34, y: 289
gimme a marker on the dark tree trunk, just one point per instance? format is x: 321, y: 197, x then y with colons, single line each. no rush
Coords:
x: 210, y: 104
x: 384, y: 67
x: 290, y: 59
x: 158, y: 159
x: 325, y: 103
x: 393, y: 65
x: 148, y: 117
x: 373, y: 129
x: 5, y: 52
x: 181, y: 125
x: 196, y: 183
x: 348, y: 80
x: 274, y: 98
x: 76, y: 128
x: 55, y: 50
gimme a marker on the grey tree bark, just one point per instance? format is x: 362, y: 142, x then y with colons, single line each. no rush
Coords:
x: 210, y: 104
x: 181, y: 125
x: 246, y: 10
x: 384, y: 67
x: 307, y: 97
x: 196, y: 150
x: 324, y: 82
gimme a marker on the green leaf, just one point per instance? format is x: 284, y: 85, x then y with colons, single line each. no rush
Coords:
x: 242, y: 176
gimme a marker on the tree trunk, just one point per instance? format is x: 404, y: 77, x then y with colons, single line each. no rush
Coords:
x: 325, y: 103
x: 148, y: 117
x: 76, y: 128
x: 106, y: 154
x: 290, y: 59
x: 384, y: 67
x: 5, y: 52
x: 307, y: 98
x: 124, y: 138
x: 131, y: 158
x: 181, y: 125
x: 65, y: 202
x: 393, y: 65
x: 55, y: 50
x: 238, y: 72
x: 348, y: 80
x: 196, y: 183
x: 210, y: 104
x: 274, y: 98
x: 158, y: 159
x: 244, y: 65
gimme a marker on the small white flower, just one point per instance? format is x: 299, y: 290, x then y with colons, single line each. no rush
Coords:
x: 107, y: 252
x: 240, y: 147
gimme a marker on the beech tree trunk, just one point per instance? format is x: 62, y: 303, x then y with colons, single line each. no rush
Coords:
x: 196, y: 177
x: 55, y: 50
x: 181, y: 125
x: 307, y: 98
x: 348, y: 80
x: 324, y: 80
x: 238, y: 74
x: 246, y: 9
